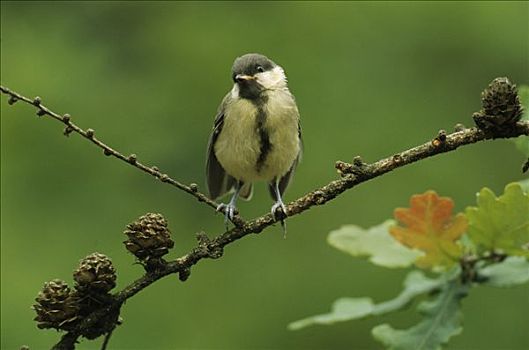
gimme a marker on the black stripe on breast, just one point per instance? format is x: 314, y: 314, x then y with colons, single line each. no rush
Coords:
x: 264, y: 138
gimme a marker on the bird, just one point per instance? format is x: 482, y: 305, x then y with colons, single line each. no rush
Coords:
x: 256, y: 136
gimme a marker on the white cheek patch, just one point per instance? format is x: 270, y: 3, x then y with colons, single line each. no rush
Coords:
x: 271, y: 79
x: 235, y: 91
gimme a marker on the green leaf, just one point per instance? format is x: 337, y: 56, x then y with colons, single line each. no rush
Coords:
x: 501, y: 223
x: 343, y: 309
x: 525, y: 185
x: 442, y: 320
x: 375, y: 242
x: 511, y: 272
x: 522, y: 142
x: 346, y: 309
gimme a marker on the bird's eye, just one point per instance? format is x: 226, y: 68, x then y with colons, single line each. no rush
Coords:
x: 260, y: 69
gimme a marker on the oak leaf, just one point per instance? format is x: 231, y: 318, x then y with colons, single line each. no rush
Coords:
x: 374, y: 242
x: 428, y: 225
x: 441, y: 321
x: 501, y: 223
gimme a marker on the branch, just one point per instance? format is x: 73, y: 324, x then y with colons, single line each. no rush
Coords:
x: 351, y: 176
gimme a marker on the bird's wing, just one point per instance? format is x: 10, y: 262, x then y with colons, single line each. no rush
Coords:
x: 218, y: 181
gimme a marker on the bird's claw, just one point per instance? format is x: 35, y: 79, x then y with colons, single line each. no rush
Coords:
x: 279, y: 213
x: 229, y: 211
x: 283, y: 212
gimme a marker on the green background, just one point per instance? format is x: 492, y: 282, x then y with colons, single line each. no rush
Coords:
x: 370, y: 79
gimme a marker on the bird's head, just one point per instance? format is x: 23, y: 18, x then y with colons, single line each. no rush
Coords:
x: 254, y: 74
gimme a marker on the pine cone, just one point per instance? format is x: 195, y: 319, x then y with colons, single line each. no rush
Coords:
x: 500, y: 105
x: 57, y: 306
x: 95, y: 274
x: 149, y: 237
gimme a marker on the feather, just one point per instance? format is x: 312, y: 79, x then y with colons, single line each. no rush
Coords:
x: 218, y: 181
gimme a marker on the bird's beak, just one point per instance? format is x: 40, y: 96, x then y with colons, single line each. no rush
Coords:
x: 242, y: 78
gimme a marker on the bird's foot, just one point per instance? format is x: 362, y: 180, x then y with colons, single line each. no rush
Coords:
x: 279, y: 214
x: 229, y: 211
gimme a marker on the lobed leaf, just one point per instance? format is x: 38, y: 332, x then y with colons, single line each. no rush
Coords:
x: 525, y: 185
x: 374, y: 242
x: 501, y: 223
x: 428, y: 225
x: 441, y: 321
x: 511, y: 272
x: 343, y: 309
x: 346, y: 309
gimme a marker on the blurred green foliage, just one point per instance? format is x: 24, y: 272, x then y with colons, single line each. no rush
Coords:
x: 370, y: 79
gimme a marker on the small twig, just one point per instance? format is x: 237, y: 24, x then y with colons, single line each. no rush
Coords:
x: 106, y: 340
x: 469, y: 262
x: 67, y: 342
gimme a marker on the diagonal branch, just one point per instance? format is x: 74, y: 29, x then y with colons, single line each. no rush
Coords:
x: 351, y: 176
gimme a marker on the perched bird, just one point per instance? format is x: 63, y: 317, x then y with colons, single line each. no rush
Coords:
x: 256, y: 135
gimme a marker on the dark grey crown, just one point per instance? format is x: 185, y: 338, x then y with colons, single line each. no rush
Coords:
x: 251, y: 63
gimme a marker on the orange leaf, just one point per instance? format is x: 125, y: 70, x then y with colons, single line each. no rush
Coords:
x: 428, y: 225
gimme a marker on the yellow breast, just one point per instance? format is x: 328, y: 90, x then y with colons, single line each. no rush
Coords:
x: 239, y: 145
x: 282, y: 126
